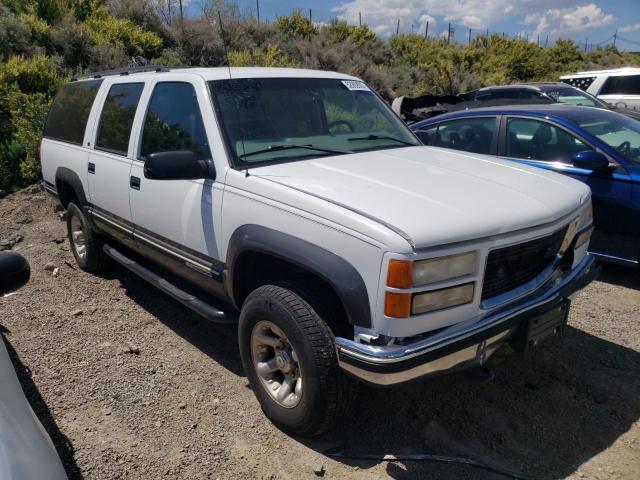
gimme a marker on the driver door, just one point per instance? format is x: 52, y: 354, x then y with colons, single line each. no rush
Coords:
x: 543, y: 144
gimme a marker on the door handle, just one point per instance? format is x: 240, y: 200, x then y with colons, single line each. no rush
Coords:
x: 92, y: 167
x: 134, y: 182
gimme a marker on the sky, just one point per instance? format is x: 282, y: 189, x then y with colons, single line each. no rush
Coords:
x: 591, y: 21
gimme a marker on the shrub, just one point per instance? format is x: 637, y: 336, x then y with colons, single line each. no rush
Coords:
x: 295, y: 26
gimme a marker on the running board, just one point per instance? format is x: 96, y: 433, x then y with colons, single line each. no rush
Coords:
x: 207, y: 311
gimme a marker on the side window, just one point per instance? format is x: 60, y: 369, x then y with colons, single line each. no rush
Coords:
x: 116, y: 118
x: 579, y: 82
x: 537, y: 140
x: 468, y: 134
x: 427, y: 134
x: 622, y: 85
x: 70, y: 111
x: 174, y: 121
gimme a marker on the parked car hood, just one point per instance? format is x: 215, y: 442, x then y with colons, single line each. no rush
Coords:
x: 433, y: 196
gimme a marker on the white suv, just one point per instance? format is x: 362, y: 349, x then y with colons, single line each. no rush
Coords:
x: 619, y: 87
x: 296, y: 203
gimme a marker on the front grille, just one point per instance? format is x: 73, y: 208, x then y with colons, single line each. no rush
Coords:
x: 509, y: 267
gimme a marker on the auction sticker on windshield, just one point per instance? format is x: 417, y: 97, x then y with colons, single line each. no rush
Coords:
x: 355, y: 85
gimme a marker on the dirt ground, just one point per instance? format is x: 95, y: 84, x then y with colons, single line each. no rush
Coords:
x: 130, y: 384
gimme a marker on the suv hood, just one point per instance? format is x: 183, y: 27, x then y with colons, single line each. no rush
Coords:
x: 433, y: 196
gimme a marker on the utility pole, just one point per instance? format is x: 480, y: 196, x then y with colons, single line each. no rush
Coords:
x: 426, y: 31
x: 469, y: 42
x: 398, y: 28
x: 310, y: 16
x: 448, y: 33
x: 258, y: 11
x: 615, y: 37
x: 538, y: 41
x: 360, y: 18
x: 181, y: 17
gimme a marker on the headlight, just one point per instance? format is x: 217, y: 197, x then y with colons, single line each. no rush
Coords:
x: 443, y: 298
x: 407, y: 274
x: 445, y: 268
x: 586, y: 217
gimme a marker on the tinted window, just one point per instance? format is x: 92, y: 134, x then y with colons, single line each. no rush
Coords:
x: 468, y: 134
x: 626, y: 85
x: 174, y: 121
x: 582, y: 83
x: 538, y: 140
x: 116, y: 118
x: 68, y: 116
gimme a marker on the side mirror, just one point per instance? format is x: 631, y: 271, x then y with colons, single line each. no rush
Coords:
x: 175, y: 165
x: 14, y: 272
x: 591, y: 160
x: 423, y: 136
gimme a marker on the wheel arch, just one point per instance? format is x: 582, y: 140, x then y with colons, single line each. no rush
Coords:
x: 294, y: 256
x: 69, y: 186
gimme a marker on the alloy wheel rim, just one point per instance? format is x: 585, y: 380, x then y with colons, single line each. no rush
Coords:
x: 78, y: 238
x: 276, y: 364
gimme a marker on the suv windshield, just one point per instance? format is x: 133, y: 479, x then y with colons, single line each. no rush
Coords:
x: 285, y: 119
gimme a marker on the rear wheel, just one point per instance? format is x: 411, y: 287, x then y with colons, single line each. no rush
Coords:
x: 289, y: 356
x: 86, y: 245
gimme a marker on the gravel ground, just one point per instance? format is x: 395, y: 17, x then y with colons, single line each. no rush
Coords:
x: 130, y: 384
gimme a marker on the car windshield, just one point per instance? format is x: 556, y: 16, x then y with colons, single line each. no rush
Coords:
x: 285, y: 119
x: 618, y: 131
x: 574, y: 96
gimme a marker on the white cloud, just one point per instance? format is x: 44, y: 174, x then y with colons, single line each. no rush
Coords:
x: 568, y: 20
x: 382, y: 15
x: 630, y: 28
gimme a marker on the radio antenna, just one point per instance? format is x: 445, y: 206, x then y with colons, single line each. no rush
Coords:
x: 224, y: 44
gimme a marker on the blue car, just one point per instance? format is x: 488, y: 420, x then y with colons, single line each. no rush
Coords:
x: 597, y: 146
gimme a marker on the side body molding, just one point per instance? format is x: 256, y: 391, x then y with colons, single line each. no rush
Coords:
x: 336, y: 271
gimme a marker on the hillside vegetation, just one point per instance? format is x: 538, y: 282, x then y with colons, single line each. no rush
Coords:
x: 44, y: 42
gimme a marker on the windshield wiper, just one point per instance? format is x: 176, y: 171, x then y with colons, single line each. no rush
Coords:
x: 381, y: 137
x: 276, y: 148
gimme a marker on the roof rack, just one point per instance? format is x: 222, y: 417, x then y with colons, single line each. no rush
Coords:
x: 122, y: 71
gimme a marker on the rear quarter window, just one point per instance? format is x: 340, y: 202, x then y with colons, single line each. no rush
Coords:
x: 70, y: 110
x: 622, y: 85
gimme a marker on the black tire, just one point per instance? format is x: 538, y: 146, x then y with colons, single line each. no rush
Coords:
x: 328, y: 393
x: 94, y: 259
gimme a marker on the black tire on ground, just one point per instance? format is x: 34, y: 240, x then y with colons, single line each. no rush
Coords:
x: 94, y: 259
x: 328, y: 393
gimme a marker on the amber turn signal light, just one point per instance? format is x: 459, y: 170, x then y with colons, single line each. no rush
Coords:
x: 400, y: 274
x: 397, y: 305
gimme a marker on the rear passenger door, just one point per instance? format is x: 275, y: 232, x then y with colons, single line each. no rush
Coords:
x: 544, y: 144
x: 110, y: 159
x: 470, y: 134
x: 176, y: 221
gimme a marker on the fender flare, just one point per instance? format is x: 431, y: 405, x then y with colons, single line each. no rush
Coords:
x: 67, y: 176
x: 336, y: 271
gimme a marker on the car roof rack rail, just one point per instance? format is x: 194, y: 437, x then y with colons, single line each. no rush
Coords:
x: 121, y: 71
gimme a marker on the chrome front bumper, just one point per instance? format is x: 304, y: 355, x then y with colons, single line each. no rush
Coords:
x: 465, y: 344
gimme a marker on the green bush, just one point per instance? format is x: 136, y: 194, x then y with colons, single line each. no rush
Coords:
x: 296, y: 25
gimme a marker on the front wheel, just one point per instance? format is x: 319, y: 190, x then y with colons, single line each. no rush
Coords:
x: 289, y: 356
